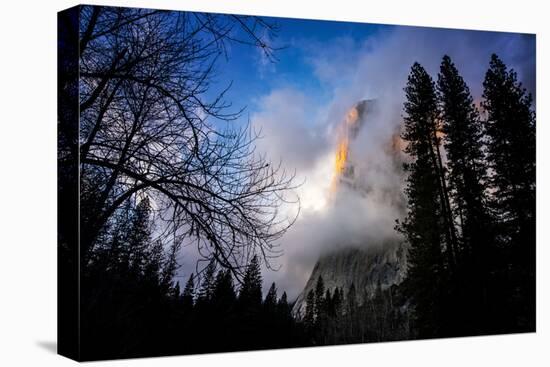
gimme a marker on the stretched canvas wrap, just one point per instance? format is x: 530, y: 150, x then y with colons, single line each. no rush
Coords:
x: 231, y: 182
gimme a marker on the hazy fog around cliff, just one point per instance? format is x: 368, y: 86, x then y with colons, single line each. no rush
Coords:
x: 300, y: 123
x: 304, y: 134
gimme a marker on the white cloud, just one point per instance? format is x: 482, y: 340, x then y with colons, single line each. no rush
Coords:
x: 300, y: 131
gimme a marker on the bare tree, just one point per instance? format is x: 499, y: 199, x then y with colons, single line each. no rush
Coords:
x: 148, y: 130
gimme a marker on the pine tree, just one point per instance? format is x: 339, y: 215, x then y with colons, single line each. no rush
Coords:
x: 272, y: 320
x: 151, y: 265
x: 510, y: 126
x: 207, y: 284
x: 329, y: 306
x: 139, y: 238
x: 188, y: 296
x: 284, y: 310
x: 224, y: 296
x: 463, y: 145
x: 467, y: 179
x: 309, y: 317
x: 320, y: 311
x: 223, y: 303
x: 327, y: 317
x: 337, y: 301
x: 250, y: 305
x: 427, y: 227
x: 270, y: 302
x: 351, y: 313
x: 250, y: 294
x: 169, y: 266
x: 176, y: 292
x: 283, y: 302
x: 319, y: 297
x: 337, y: 315
x: 511, y: 150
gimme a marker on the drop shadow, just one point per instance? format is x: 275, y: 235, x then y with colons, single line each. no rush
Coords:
x: 50, y: 346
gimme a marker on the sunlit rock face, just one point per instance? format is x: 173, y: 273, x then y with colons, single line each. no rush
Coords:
x: 344, y: 169
x: 369, y: 263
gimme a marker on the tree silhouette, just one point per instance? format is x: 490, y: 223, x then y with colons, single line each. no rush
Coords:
x: 511, y: 156
x: 270, y: 301
x: 188, y: 296
x: 147, y: 130
x: 426, y: 225
x: 468, y: 182
x: 159, y: 166
x: 309, y: 317
x: 206, y: 290
x: 480, y: 279
x: 250, y: 295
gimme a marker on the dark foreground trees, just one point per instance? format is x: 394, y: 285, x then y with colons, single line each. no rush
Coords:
x: 237, y: 317
x: 511, y: 158
x: 157, y: 168
x: 125, y: 290
x: 335, y: 316
x: 147, y: 149
x: 132, y: 305
x: 467, y: 176
x: 154, y: 124
x: 470, y: 222
x: 426, y: 228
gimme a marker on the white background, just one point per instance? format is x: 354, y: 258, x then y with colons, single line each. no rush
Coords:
x: 28, y: 183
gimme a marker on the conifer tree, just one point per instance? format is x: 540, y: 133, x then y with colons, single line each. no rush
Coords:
x: 207, y: 284
x: 337, y: 301
x: 224, y: 296
x: 351, y: 312
x: 169, y: 265
x: 328, y: 303
x: 467, y: 179
x: 284, y: 310
x: 250, y: 294
x: 319, y: 297
x: 270, y: 302
x: 188, y: 296
x: 426, y: 226
x: 249, y: 304
x: 320, y: 311
x: 223, y: 302
x: 283, y: 301
x: 463, y: 145
x: 272, y: 320
x: 510, y: 125
x: 176, y: 292
x: 336, y: 321
x: 309, y: 317
x: 151, y: 265
x: 139, y: 238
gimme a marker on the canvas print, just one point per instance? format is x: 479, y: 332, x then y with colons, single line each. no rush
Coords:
x: 236, y: 182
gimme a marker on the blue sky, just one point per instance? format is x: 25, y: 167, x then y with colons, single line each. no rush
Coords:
x: 299, y: 101
x: 253, y: 75
x: 305, y: 42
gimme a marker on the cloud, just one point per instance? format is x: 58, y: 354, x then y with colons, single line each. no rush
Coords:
x: 362, y: 217
x: 374, y: 68
x: 339, y: 68
x: 287, y: 120
x: 301, y: 130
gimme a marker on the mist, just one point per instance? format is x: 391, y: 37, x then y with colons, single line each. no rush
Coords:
x: 303, y: 133
x: 301, y: 129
